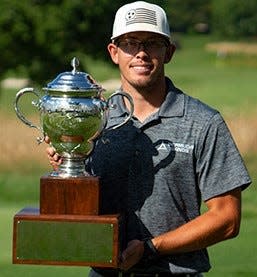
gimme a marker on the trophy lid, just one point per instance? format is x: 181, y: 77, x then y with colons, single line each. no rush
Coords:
x: 73, y: 81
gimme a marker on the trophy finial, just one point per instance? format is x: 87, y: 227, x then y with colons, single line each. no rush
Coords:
x: 74, y: 64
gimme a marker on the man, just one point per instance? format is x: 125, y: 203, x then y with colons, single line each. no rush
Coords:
x: 174, y: 153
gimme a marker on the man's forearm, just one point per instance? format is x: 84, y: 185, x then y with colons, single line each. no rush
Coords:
x: 220, y: 222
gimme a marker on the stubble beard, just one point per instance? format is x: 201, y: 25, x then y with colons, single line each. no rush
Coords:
x: 145, y: 86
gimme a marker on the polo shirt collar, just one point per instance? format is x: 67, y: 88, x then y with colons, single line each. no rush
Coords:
x: 172, y: 106
x: 174, y: 103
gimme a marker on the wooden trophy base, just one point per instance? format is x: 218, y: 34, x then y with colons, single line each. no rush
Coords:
x: 80, y: 195
x: 67, y: 228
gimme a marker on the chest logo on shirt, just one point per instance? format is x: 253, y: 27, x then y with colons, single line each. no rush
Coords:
x: 175, y: 146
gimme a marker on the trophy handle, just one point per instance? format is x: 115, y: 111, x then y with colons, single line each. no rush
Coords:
x: 20, y: 115
x: 125, y: 94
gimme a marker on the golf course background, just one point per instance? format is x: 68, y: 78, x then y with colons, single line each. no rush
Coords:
x: 220, y: 76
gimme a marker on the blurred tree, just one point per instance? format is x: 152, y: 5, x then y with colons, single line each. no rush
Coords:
x: 235, y: 18
x: 43, y: 35
x: 184, y: 15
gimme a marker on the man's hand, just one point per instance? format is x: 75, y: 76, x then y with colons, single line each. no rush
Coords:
x: 54, y: 158
x: 132, y: 254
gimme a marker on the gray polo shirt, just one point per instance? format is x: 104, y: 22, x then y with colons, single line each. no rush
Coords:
x: 157, y: 173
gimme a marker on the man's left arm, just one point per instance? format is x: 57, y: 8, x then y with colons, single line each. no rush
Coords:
x: 220, y: 222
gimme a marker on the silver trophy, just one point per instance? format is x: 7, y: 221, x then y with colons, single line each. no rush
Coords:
x: 73, y: 114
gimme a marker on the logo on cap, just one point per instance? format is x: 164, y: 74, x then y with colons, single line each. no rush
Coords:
x: 141, y: 15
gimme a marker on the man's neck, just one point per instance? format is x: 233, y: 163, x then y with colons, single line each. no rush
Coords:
x: 146, y: 102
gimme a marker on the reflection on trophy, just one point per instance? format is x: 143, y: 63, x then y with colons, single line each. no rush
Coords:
x: 67, y: 227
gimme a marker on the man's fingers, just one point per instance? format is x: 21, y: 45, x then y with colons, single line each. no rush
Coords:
x: 47, y: 140
x: 50, y: 151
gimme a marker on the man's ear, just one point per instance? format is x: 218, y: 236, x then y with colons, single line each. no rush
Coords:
x: 169, y: 52
x: 113, y: 51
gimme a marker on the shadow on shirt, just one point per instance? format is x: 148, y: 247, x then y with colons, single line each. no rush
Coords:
x: 123, y: 159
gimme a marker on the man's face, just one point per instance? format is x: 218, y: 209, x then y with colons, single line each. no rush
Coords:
x: 141, y: 57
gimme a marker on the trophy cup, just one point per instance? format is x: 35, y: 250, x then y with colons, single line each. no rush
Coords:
x: 67, y: 228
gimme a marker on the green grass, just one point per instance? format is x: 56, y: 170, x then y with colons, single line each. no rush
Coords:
x: 236, y: 257
x: 220, y: 83
x: 19, y: 187
x: 227, y: 85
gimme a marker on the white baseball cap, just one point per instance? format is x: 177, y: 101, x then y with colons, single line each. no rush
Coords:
x: 140, y: 16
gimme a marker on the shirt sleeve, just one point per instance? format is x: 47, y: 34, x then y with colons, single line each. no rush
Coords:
x: 220, y: 167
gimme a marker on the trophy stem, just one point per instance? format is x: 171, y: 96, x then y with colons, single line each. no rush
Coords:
x: 71, y: 167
